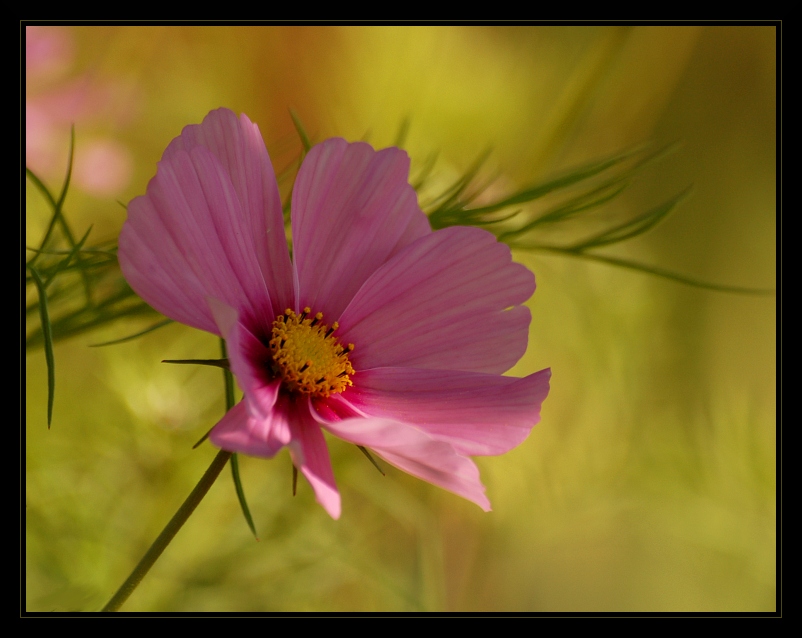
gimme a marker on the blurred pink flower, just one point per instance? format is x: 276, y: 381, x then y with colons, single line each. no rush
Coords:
x: 384, y: 333
x: 54, y: 102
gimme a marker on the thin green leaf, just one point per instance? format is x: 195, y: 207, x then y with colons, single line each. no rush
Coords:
x: 66, y: 186
x: 652, y: 270
x: 575, y: 206
x: 241, y: 495
x: 48, y: 337
x: 364, y: 451
x: 301, y: 131
x: 479, y: 221
x: 89, y: 252
x: 64, y: 263
x: 58, y: 205
x: 58, y: 216
x: 403, y: 131
x: 228, y: 378
x: 460, y: 214
x: 54, y: 217
x: 568, y: 179
x: 155, y: 326
x: 633, y: 227
x: 229, y: 385
x: 215, y: 363
x: 40, y: 185
x: 203, y: 438
x: 448, y: 201
x: 286, y: 209
x: 425, y: 172
x: 90, y: 318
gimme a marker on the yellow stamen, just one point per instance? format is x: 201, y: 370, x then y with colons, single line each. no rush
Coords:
x: 307, y: 356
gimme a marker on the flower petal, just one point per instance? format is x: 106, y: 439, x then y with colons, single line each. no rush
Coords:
x: 238, y: 145
x: 311, y: 456
x: 157, y: 269
x: 449, y: 301
x: 479, y: 414
x: 191, y: 208
x: 210, y: 224
x: 248, y: 358
x: 416, y: 453
x: 239, y: 431
x: 352, y: 210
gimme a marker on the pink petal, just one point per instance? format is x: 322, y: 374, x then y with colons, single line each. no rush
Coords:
x: 156, y: 268
x: 449, y: 301
x: 352, y: 210
x: 190, y: 208
x: 196, y: 233
x: 311, y: 456
x: 239, y: 431
x: 248, y: 358
x: 416, y: 453
x: 479, y: 414
x: 238, y: 145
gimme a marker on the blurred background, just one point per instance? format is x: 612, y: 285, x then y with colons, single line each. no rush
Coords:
x: 649, y: 484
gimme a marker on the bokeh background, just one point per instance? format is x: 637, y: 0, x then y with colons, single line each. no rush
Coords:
x: 649, y: 484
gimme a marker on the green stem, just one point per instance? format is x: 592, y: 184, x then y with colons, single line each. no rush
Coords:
x: 175, y: 524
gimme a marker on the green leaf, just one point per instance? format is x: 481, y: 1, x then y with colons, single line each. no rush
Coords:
x: 582, y: 203
x: 48, y: 338
x: 58, y: 216
x: 40, y: 185
x: 229, y: 384
x: 633, y: 227
x: 301, y: 131
x: 228, y: 378
x: 56, y: 204
x: 448, y: 201
x: 653, y: 270
x: 64, y: 263
x: 215, y: 363
x: 364, y: 451
x: 66, y: 186
x: 403, y: 131
x: 425, y: 172
x: 155, y: 326
x: 565, y: 180
x: 116, y: 306
x: 246, y: 512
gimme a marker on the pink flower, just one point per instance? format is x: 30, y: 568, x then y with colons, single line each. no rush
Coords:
x: 384, y: 333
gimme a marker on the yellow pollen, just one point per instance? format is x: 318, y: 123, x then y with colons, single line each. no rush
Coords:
x: 307, y: 356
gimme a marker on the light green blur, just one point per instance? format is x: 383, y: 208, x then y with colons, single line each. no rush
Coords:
x: 649, y: 484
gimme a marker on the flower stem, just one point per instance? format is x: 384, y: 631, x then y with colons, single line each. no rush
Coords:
x: 163, y: 540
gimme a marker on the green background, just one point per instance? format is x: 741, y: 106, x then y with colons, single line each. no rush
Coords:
x: 649, y: 484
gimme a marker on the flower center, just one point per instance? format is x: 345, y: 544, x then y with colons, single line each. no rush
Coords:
x: 306, y: 355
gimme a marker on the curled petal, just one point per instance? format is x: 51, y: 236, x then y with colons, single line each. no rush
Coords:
x: 248, y: 358
x: 479, y: 414
x: 239, y: 431
x: 352, y: 210
x: 449, y: 301
x: 311, y: 456
x: 417, y: 453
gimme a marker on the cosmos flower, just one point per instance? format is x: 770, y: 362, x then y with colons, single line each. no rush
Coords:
x: 382, y: 332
